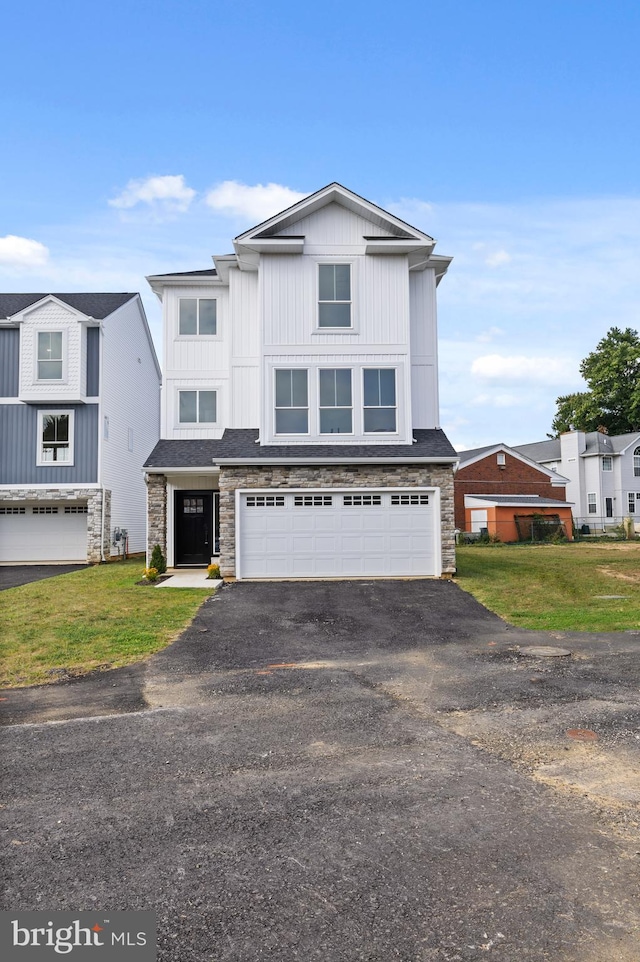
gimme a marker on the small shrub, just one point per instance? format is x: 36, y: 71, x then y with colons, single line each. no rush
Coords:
x: 150, y: 574
x: 158, y: 560
x: 213, y: 571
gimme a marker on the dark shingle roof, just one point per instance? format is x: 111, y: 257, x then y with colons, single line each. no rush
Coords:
x: 209, y: 272
x: 93, y: 305
x: 540, y: 450
x: 240, y: 444
x: 521, y: 500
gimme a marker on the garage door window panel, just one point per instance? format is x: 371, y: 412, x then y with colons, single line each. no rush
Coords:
x: 292, y: 401
x: 55, y: 437
x: 336, y: 404
x: 379, y: 400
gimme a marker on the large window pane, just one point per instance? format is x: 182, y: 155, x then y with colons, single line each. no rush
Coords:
x: 55, y: 437
x: 207, y: 406
x: 188, y: 315
x: 208, y: 321
x: 379, y: 419
x: 335, y: 421
x: 299, y: 389
x: 291, y: 421
x: 188, y: 407
x: 334, y: 315
x: 49, y: 370
x: 335, y: 388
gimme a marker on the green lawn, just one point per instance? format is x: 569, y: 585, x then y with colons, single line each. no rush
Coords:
x: 556, y: 586
x: 88, y: 619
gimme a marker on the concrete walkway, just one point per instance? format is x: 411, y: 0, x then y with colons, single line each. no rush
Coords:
x: 189, y: 578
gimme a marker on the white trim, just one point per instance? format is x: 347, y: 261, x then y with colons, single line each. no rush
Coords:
x: 42, y: 412
x: 197, y: 336
x: 327, y: 261
x: 195, y: 389
x: 355, y: 489
x: 55, y: 486
x: 558, y: 479
x: 51, y: 381
x: 378, y: 434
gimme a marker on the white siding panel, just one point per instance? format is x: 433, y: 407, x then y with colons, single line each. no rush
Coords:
x: 244, y: 321
x: 245, y: 400
x: 130, y: 396
x: 334, y: 225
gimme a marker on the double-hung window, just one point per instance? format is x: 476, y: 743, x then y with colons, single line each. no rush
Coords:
x: 607, y: 463
x: 592, y: 504
x: 636, y: 463
x: 55, y: 437
x: 336, y: 405
x: 198, y: 407
x: 334, y: 295
x: 198, y: 316
x: 292, y: 401
x: 379, y: 400
x: 632, y: 502
x: 50, y: 355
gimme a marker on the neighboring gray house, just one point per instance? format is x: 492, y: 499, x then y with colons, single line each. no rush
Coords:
x: 300, y: 418
x: 603, y: 473
x: 79, y: 412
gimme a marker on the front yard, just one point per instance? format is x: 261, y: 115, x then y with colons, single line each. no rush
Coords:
x: 95, y: 618
x: 566, y: 587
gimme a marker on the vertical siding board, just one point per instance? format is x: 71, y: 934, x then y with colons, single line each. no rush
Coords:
x: 19, y: 446
x: 9, y: 362
x: 93, y: 361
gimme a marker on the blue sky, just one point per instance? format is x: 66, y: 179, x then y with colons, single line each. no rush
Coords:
x: 141, y: 137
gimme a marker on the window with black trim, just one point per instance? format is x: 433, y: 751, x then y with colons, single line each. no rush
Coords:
x: 292, y: 401
x: 197, y: 407
x: 198, y: 316
x: 336, y: 405
x: 379, y: 400
x: 334, y: 295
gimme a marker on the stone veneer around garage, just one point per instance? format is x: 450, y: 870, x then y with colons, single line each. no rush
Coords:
x: 363, y: 476
x: 91, y: 496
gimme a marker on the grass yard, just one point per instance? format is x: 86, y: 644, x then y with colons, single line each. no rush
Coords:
x: 556, y: 587
x: 93, y: 618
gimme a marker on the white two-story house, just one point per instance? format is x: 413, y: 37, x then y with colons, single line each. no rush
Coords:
x: 79, y: 413
x: 603, y: 473
x: 300, y: 430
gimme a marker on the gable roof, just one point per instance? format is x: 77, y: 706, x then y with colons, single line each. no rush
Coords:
x: 595, y: 443
x: 540, y: 450
x: 97, y: 306
x: 478, y: 454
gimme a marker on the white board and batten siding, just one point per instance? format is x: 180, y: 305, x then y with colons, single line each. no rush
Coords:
x: 337, y: 533
x: 129, y: 398
x: 425, y: 403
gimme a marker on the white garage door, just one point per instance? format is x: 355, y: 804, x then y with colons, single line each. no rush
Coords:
x: 52, y: 532
x: 332, y: 533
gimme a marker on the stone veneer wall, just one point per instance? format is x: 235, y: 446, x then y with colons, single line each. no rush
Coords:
x: 156, y: 513
x: 93, y: 498
x: 367, y: 476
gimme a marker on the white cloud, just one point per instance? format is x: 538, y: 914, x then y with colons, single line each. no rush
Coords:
x: 500, y: 400
x: 516, y: 367
x: 257, y: 202
x: 168, y: 192
x: 486, y: 336
x: 497, y: 259
x: 22, y: 252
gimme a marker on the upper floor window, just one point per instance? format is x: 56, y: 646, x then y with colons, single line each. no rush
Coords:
x: 292, y: 402
x: 607, y: 463
x: 636, y: 463
x: 196, y: 407
x: 49, y: 355
x: 334, y: 295
x: 501, y: 460
x: 336, y: 405
x: 55, y: 437
x: 379, y: 400
x: 198, y: 315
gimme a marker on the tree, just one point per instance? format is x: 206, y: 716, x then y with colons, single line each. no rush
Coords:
x: 612, y: 402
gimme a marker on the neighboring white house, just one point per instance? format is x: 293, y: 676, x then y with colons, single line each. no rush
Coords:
x: 300, y: 402
x: 79, y: 412
x: 603, y: 473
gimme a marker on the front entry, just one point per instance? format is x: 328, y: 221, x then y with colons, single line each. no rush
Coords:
x: 195, y: 527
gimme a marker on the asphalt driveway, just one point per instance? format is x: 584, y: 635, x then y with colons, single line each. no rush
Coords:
x: 13, y: 575
x: 340, y: 771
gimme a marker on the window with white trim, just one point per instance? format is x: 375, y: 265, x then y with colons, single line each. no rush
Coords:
x: 196, y: 407
x: 501, y: 459
x: 50, y: 355
x: 336, y: 404
x: 334, y: 295
x: 636, y: 463
x: 633, y: 499
x: 607, y: 463
x: 379, y: 400
x: 55, y: 437
x: 198, y: 316
x: 292, y: 401
x: 592, y: 503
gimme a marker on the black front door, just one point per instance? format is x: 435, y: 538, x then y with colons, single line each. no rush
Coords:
x: 195, y: 533
x: 608, y: 507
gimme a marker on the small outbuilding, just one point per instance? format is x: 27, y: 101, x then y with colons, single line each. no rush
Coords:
x: 517, y: 517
